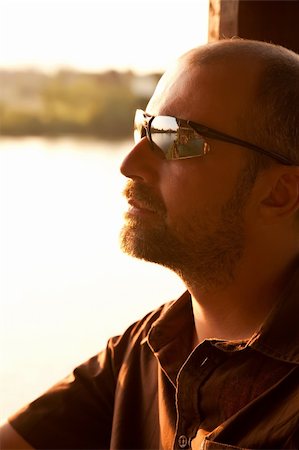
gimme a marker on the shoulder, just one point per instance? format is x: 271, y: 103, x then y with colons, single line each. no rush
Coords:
x: 10, y: 439
x: 125, y: 349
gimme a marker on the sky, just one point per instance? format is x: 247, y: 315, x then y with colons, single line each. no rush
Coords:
x: 93, y: 35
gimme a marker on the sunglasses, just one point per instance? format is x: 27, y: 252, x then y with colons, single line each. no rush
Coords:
x: 181, y: 139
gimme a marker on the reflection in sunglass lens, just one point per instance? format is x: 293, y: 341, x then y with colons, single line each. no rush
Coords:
x: 176, y: 141
x: 164, y: 134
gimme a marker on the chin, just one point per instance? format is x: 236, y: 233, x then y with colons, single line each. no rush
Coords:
x: 133, y: 242
x: 155, y: 244
x: 210, y: 260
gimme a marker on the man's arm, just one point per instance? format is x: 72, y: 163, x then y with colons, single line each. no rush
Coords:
x: 11, y: 440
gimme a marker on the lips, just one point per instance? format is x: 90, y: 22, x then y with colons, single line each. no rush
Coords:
x: 140, y: 210
x: 135, y: 204
x: 142, y: 200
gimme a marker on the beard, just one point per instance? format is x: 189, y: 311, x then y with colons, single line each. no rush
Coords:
x: 201, y: 250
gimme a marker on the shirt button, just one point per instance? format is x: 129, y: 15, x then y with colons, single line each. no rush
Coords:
x: 183, y: 441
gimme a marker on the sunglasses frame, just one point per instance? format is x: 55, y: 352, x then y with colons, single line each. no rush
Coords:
x: 208, y: 132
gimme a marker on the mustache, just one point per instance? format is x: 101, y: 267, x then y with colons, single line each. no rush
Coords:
x: 135, y: 190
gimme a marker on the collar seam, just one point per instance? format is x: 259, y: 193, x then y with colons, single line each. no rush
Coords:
x: 273, y: 353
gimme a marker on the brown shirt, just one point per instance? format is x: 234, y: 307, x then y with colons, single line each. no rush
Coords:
x: 149, y: 390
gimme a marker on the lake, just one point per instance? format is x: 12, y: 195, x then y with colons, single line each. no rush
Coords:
x: 65, y: 285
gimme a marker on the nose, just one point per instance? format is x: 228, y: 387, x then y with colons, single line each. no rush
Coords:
x: 142, y: 163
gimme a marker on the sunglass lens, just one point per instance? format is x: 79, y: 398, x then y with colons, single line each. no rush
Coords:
x: 176, y: 141
x: 139, y: 126
x: 164, y: 133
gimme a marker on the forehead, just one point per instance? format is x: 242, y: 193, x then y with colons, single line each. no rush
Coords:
x: 213, y: 94
x: 171, y: 91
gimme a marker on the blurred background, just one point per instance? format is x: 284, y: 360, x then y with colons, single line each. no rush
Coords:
x: 72, y: 73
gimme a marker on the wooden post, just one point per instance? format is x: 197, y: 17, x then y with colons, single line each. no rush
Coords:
x: 275, y: 21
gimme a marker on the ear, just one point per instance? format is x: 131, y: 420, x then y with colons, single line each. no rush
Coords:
x: 283, y: 198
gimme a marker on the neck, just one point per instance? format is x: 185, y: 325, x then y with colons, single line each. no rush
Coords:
x: 229, y: 316
x: 235, y: 311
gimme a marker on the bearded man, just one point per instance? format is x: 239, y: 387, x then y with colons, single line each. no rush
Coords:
x: 213, y: 194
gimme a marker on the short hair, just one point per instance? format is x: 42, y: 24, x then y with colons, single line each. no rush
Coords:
x: 271, y: 120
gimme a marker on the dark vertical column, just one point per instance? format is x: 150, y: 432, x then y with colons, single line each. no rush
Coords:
x: 274, y: 21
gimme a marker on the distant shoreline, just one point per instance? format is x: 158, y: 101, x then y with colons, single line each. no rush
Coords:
x: 72, y: 103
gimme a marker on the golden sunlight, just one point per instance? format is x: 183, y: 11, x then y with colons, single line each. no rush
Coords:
x: 99, y: 34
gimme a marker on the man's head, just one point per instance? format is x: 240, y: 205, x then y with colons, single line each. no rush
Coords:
x: 198, y: 215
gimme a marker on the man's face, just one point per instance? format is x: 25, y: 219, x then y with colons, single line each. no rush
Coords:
x: 189, y: 214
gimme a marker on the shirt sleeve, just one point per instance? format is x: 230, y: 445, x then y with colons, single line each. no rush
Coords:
x: 77, y: 412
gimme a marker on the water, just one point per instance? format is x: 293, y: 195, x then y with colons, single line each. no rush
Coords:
x: 65, y: 285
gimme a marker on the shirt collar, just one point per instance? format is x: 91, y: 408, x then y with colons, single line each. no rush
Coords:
x: 278, y: 336
x: 171, y: 336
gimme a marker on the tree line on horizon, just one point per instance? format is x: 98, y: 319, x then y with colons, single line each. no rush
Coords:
x: 72, y: 103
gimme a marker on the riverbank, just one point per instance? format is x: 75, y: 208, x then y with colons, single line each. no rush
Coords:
x: 72, y: 103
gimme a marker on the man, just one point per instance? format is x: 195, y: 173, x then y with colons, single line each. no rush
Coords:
x: 218, y: 368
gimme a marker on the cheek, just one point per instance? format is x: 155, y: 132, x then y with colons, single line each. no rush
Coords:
x: 187, y: 199
x: 193, y: 193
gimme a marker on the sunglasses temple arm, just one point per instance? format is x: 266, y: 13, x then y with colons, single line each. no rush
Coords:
x: 226, y: 138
